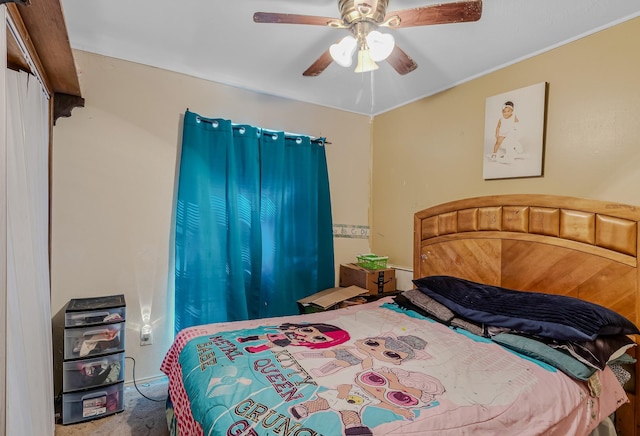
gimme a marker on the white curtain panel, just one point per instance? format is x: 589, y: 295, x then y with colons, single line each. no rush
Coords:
x: 30, y: 409
x: 3, y: 230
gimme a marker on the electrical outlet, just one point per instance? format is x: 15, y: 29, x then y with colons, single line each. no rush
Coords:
x: 146, y: 335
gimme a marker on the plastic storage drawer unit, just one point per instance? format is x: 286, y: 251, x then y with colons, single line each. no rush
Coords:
x: 89, y: 358
x: 97, y: 310
x: 91, y: 373
x: 93, y: 340
x: 95, y: 403
x: 79, y: 319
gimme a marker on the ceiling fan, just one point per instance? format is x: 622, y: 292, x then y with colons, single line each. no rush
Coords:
x: 363, y: 18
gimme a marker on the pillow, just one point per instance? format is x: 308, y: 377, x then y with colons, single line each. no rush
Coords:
x: 553, y: 316
x: 621, y: 374
x: 424, y: 305
x: 539, y: 351
x: 415, y: 300
x: 596, y: 353
x: 467, y: 325
x: 623, y: 359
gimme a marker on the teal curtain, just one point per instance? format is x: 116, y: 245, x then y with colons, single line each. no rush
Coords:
x: 253, y: 222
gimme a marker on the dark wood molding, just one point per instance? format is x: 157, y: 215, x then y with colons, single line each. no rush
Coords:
x: 15, y: 54
x: 63, y: 104
x: 42, y: 28
x: 15, y: 60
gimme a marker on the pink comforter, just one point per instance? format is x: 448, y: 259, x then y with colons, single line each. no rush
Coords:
x: 377, y: 370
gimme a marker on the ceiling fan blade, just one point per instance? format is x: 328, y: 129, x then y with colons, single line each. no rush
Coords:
x: 446, y: 13
x: 401, y: 62
x: 274, y: 17
x: 319, y: 65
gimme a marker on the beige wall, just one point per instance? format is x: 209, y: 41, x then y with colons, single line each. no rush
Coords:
x: 114, y: 162
x: 431, y: 151
x: 114, y: 165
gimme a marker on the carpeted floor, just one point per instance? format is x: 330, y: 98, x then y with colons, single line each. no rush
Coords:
x: 141, y: 416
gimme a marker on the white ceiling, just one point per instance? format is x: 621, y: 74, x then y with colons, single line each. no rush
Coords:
x: 217, y: 40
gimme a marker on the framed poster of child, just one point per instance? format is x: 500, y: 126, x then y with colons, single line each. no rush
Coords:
x: 514, y: 133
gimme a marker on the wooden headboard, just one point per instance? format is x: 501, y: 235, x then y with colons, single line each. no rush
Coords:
x: 577, y: 247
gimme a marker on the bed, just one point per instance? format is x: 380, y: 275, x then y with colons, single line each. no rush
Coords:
x: 440, y: 359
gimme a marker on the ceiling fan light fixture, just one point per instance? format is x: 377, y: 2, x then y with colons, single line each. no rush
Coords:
x: 365, y: 62
x: 380, y: 45
x: 342, y: 52
x: 361, y: 17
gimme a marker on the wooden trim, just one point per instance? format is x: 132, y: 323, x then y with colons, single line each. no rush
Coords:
x: 33, y: 61
x: 558, y: 242
x: 44, y: 23
x: 15, y: 60
x: 618, y: 210
x: 42, y: 29
x: 63, y: 104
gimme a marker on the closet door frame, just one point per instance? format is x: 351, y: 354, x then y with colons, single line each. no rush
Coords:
x: 3, y: 228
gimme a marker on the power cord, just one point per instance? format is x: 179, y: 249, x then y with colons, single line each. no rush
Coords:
x: 136, y: 386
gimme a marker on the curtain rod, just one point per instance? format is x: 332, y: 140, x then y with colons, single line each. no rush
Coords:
x: 320, y: 141
x: 314, y: 139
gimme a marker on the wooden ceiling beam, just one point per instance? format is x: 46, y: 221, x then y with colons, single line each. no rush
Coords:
x: 44, y: 22
x: 43, y: 31
x: 15, y: 53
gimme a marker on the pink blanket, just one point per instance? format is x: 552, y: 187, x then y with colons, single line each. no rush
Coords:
x: 372, y: 369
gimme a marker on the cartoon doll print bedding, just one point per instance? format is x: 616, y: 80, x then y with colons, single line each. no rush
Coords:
x: 366, y: 372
